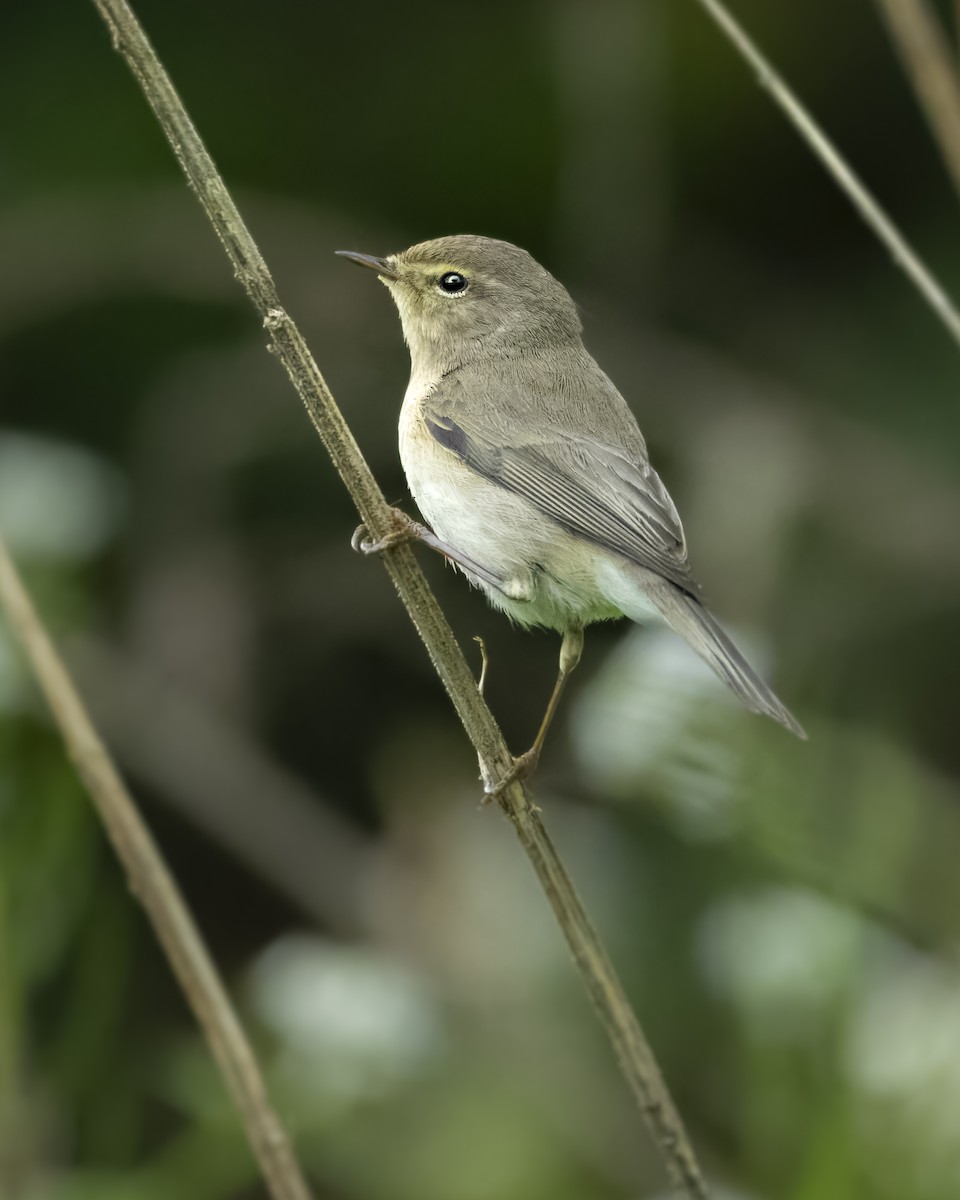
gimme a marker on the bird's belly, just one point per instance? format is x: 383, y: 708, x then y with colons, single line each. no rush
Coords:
x: 550, y: 578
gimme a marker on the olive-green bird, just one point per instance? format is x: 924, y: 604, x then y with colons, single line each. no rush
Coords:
x: 530, y: 467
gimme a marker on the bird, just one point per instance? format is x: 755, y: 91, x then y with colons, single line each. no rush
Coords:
x: 530, y: 468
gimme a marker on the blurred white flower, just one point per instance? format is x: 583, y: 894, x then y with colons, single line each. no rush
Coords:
x: 56, y: 501
x: 656, y: 715
x: 351, y: 1022
x: 905, y: 1038
x: 781, y: 954
x: 903, y: 1057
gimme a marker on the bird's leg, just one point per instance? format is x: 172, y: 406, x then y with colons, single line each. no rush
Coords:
x: 484, y: 663
x: 525, y: 764
x: 406, y: 529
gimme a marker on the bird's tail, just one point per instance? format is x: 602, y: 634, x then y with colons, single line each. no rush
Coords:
x: 694, y: 623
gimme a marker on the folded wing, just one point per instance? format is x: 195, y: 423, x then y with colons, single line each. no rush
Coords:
x: 590, y: 489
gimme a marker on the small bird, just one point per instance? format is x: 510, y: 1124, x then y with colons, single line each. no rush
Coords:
x: 531, y: 468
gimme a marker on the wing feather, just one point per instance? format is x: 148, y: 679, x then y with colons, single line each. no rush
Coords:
x: 592, y: 490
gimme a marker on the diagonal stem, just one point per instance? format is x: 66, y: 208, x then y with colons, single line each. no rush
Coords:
x: 871, y: 212
x: 933, y: 70
x: 152, y: 883
x: 603, y: 986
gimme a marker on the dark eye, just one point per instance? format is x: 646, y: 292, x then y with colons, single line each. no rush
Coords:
x: 453, y: 282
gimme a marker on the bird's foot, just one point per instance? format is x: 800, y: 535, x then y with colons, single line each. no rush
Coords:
x: 523, y: 767
x: 401, y: 528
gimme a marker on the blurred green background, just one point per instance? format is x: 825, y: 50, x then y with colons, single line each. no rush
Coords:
x: 786, y: 916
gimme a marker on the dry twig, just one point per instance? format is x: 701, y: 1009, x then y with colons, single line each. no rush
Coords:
x: 634, y: 1055
x: 152, y: 882
x: 824, y: 149
x: 929, y: 62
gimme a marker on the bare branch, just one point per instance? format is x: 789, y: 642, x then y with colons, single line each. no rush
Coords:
x: 824, y: 149
x: 928, y: 60
x: 603, y: 986
x: 152, y: 883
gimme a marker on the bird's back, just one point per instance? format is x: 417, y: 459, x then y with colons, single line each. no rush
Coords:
x: 526, y: 395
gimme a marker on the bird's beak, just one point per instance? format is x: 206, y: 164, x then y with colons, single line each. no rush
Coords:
x: 380, y: 265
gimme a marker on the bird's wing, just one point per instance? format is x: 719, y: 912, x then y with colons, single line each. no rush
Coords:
x: 591, y: 489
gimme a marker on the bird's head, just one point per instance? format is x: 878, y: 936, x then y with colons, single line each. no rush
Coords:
x: 465, y: 295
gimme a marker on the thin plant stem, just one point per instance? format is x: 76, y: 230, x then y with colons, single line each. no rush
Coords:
x: 152, y: 882
x: 633, y: 1053
x: 824, y: 149
x: 932, y: 69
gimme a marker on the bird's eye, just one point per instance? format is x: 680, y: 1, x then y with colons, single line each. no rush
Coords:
x: 452, y: 282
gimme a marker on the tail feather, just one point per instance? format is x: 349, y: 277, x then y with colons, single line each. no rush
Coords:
x: 696, y: 625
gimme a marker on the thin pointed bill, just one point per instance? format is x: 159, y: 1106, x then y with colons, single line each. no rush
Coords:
x: 380, y: 265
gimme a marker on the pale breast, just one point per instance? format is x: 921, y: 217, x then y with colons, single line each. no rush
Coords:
x: 466, y: 510
x: 554, y: 572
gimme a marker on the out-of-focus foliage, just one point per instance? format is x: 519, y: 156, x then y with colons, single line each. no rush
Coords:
x: 786, y: 916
